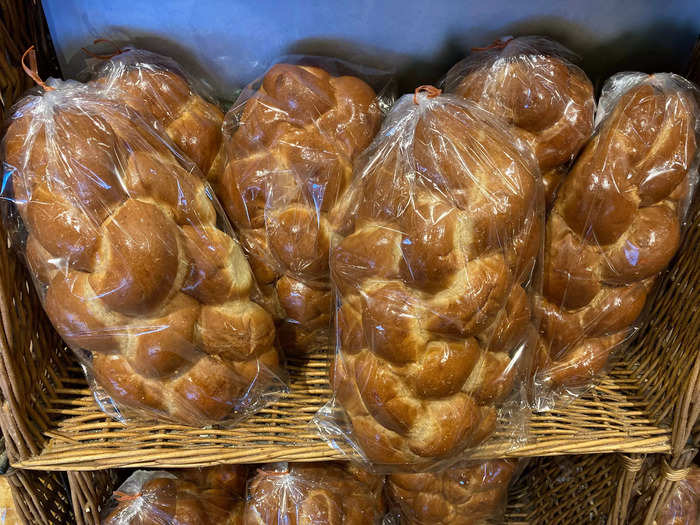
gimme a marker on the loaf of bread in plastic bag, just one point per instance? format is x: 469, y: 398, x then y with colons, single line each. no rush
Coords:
x: 136, y: 266
x: 434, y: 263
x: 209, y: 496
x: 615, y: 224
x: 292, y: 138
x: 314, y: 493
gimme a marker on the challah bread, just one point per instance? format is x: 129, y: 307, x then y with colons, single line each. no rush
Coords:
x: 433, y: 262
x: 529, y: 82
x: 615, y: 223
x: 291, y: 144
x: 314, y: 493
x: 136, y: 273
x: 160, y: 91
x: 469, y: 494
x: 180, y: 497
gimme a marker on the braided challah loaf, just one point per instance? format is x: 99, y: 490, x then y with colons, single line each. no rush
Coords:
x: 130, y: 258
x: 181, y: 497
x: 470, y: 494
x: 314, y: 494
x: 159, y: 90
x: 529, y: 82
x: 291, y: 148
x: 615, y: 223
x: 439, y: 235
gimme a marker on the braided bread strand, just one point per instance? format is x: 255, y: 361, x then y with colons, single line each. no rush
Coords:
x: 470, y: 494
x: 530, y: 84
x: 290, y: 159
x: 134, y: 272
x: 439, y: 236
x: 157, y: 88
x: 615, y: 225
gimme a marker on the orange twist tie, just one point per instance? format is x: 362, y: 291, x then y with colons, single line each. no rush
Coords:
x: 123, y: 496
x: 496, y: 44
x: 33, y: 70
x: 432, y: 92
x: 118, y: 51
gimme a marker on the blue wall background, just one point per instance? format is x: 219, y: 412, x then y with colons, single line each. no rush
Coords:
x: 231, y: 42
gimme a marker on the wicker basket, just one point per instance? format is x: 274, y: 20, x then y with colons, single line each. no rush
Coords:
x: 570, y: 490
x: 50, y: 420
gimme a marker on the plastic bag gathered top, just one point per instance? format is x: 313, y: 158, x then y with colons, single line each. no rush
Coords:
x: 292, y: 139
x: 532, y: 84
x: 212, y: 496
x: 314, y: 493
x: 469, y: 494
x: 434, y: 264
x: 136, y: 266
x: 615, y: 224
x: 169, y: 100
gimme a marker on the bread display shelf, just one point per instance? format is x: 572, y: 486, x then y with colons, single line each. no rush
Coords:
x: 614, y: 417
x: 50, y: 420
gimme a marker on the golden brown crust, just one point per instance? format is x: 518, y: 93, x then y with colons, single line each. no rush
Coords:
x: 318, y: 493
x: 136, y: 271
x: 473, y: 494
x: 168, y: 103
x: 430, y: 277
x: 289, y: 161
x: 614, y: 225
x: 547, y: 100
x: 208, y: 496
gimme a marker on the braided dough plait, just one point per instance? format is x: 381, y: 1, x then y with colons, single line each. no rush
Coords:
x: 472, y: 494
x: 157, y: 89
x: 315, y: 493
x: 134, y: 272
x: 290, y: 159
x: 212, y: 496
x: 615, y: 225
x: 548, y: 101
x: 442, y: 229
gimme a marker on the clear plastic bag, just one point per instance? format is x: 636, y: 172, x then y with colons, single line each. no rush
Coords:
x: 174, y: 103
x: 435, y: 262
x: 682, y: 506
x: 314, y: 494
x: 212, y: 496
x: 473, y: 493
x: 614, y: 226
x: 135, y: 263
x: 532, y: 83
x: 292, y: 138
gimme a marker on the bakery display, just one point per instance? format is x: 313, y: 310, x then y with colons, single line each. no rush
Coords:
x: 468, y: 494
x: 434, y: 263
x: 615, y: 224
x: 137, y: 271
x: 531, y: 83
x: 314, y: 494
x: 171, y: 101
x: 292, y: 139
x: 211, y: 496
